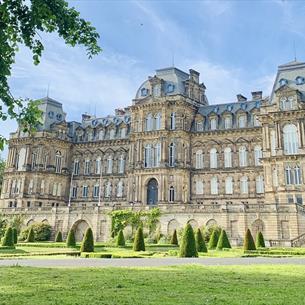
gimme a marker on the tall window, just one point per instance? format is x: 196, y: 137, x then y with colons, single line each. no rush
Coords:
x: 199, y: 126
x: 173, y: 121
x: 46, y: 161
x: 96, y: 191
x: 108, y: 189
x: 59, y: 190
x: 76, y: 167
x: 123, y: 132
x: 109, y: 165
x: 148, y: 122
x: 85, y: 191
x: 199, y: 159
x: 213, y: 158
x: 228, y: 122
x: 242, y: 121
x: 58, y: 159
x: 74, y: 191
x: 152, y: 155
x: 34, y: 160
x: 243, y: 156
x: 293, y: 175
x: 98, y: 166
x: 259, y: 182
x: 157, y: 121
x: 112, y: 133
x: 171, y: 194
x: 291, y: 143
x: 214, y: 186
x: 244, y: 185
x: 228, y: 157
x: 101, y: 134
x: 31, y: 186
x: 229, y: 185
x: 120, y: 189
x: 256, y: 121
x: 121, y: 164
x: 147, y: 156
x: 213, y: 124
x: 257, y: 155
x: 199, y: 187
x: 172, y: 154
x: 87, y: 167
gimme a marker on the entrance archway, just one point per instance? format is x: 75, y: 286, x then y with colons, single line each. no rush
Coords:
x: 80, y: 228
x: 152, y: 192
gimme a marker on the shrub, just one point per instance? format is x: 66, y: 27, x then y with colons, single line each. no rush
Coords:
x: 207, y: 232
x: 15, y: 235
x: 260, y: 241
x: 88, y: 242
x: 200, y: 243
x: 58, y: 238
x: 138, y: 244
x: 214, y: 239
x: 174, y: 239
x: 31, y: 236
x: 42, y: 231
x: 70, y: 242
x: 188, y: 244
x: 223, y: 241
x: 120, y: 242
x: 248, y: 241
x: 8, y: 239
x: 163, y: 241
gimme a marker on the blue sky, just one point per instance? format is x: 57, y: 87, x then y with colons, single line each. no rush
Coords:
x: 235, y: 45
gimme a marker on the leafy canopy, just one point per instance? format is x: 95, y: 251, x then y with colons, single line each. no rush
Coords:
x: 23, y: 22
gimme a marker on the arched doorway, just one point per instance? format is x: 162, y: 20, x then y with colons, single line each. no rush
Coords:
x: 152, y: 191
x: 80, y: 228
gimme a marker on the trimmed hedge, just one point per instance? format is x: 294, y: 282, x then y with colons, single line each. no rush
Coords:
x: 31, y: 236
x: 58, y: 238
x: 139, y: 244
x: 88, y: 242
x: 260, y: 241
x: 214, y: 239
x: 15, y: 235
x: 200, y: 243
x: 42, y: 231
x: 70, y: 242
x: 223, y: 241
x: 248, y: 241
x: 188, y: 244
x: 8, y: 239
x: 174, y: 238
x: 120, y: 242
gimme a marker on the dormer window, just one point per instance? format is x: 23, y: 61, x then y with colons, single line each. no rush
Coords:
x: 199, y: 126
x: 58, y: 116
x: 228, y: 122
x: 157, y: 90
x: 242, y: 120
x: 213, y: 123
x: 300, y: 80
x: 283, y: 82
x: 144, y: 92
x: 51, y: 114
x: 170, y: 88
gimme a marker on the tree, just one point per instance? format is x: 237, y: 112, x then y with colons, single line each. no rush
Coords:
x: 120, y: 239
x: 188, y: 243
x: 31, y: 235
x: 174, y: 238
x: 15, y: 235
x: 70, y: 242
x: 42, y: 231
x: 22, y: 23
x: 88, y: 242
x: 200, y: 243
x: 138, y: 244
x: 260, y: 241
x: 8, y: 239
x: 58, y: 238
x: 248, y: 241
x: 214, y: 239
x: 223, y: 241
x: 2, y: 167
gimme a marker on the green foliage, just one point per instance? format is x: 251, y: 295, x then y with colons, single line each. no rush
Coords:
x: 8, y: 239
x: 152, y: 219
x: 174, y: 238
x: 31, y: 236
x: 207, y: 232
x: 20, y: 24
x: 248, y: 241
x: 3, y: 225
x: 2, y: 167
x: 200, y: 243
x: 223, y: 241
x: 138, y: 244
x: 15, y: 235
x: 42, y: 231
x: 188, y: 243
x: 260, y: 241
x: 214, y: 239
x: 70, y: 242
x: 88, y: 242
x: 17, y: 222
x: 120, y: 239
x: 58, y: 238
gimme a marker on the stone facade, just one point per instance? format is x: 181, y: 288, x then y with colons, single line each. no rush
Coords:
x: 239, y: 165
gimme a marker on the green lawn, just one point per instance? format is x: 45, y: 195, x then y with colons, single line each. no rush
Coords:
x: 183, y: 285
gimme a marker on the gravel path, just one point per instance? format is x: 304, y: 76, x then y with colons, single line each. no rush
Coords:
x: 148, y: 262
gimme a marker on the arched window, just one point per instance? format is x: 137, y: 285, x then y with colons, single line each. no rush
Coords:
x: 244, y: 185
x: 243, y: 156
x: 76, y: 167
x: 293, y: 175
x: 291, y: 143
x: 259, y: 184
x: 242, y: 121
x: 148, y: 122
x: 213, y: 124
x: 199, y: 187
x: 229, y: 185
x: 213, y: 158
x: 228, y: 157
x: 120, y: 189
x: 112, y: 133
x: 109, y: 165
x: 199, y: 159
x: 214, y: 186
x: 172, y: 154
x: 257, y: 155
x: 173, y: 121
x: 171, y: 194
x: 98, y: 167
x: 108, y: 189
x: 157, y: 121
x: 87, y: 167
x: 199, y: 126
x: 147, y: 156
x: 121, y: 164
x: 101, y: 134
x: 228, y: 122
x: 58, y: 159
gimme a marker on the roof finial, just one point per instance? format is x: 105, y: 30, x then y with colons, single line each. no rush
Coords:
x: 48, y: 90
x: 173, y: 58
x: 295, y: 52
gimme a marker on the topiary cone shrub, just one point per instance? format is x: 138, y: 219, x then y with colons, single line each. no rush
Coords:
x: 188, y: 243
x: 120, y: 242
x: 214, y: 239
x: 223, y: 241
x: 200, y: 243
x: 248, y: 241
x: 31, y: 236
x: 88, y: 242
x: 174, y: 238
x: 8, y: 239
x: 15, y: 235
x: 70, y: 242
x: 260, y: 241
x: 138, y: 244
x: 58, y: 238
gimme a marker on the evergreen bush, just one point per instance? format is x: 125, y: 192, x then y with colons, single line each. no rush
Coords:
x: 15, y: 235
x: 174, y: 238
x: 214, y: 239
x: 58, y: 238
x: 70, y: 242
x: 88, y: 242
x: 8, y: 239
x: 260, y: 241
x: 188, y: 243
x: 31, y: 236
x: 248, y: 241
x: 42, y: 231
x: 200, y: 243
x: 120, y: 242
x: 138, y: 244
x: 223, y: 241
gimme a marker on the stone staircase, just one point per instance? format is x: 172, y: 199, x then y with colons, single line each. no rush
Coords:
x: 298, y: 241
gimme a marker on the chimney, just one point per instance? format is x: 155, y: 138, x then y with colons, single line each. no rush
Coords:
x: 257, y: 95
x: 241, y: 98
x: 194, y: 76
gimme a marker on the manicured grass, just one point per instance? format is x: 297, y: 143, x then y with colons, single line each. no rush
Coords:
x: 183, y: 285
